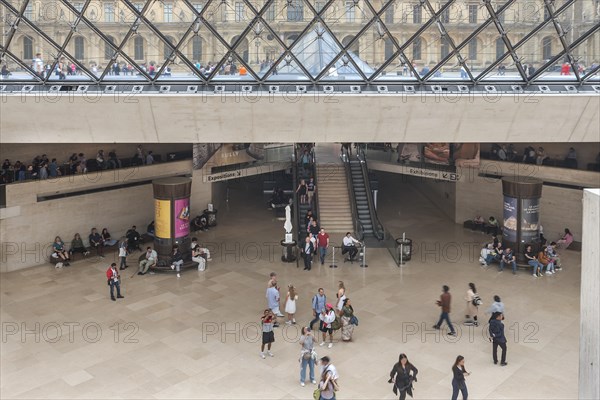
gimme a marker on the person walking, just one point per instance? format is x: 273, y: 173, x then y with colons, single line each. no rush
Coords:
x: 308, y: 251
x: 323, y: 244
x: 497, y: 338
x: 268, y: 336
x: 403, y: 375
x: 318, y: 306
x: 328, y: 382
x: 327, y: 317
x: 348, y: 319
x: 473, y: 302
x: 307, y: 342
x: 112, y: 274
x: 290, y: 305
x: 458, y: 381
x: 444, y: 303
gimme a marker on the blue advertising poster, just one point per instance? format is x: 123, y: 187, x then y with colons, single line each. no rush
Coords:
x: 510, y: 219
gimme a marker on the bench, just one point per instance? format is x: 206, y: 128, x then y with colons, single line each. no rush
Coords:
x: 575, y: 246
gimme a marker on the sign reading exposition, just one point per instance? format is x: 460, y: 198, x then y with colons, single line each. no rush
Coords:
x: 162, y: 219
x: 182, y: 217
x: 510, y: 219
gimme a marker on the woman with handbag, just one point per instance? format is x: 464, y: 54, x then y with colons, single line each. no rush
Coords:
x: 307, y: 341
x: 403, y: 375
x: 347, y: 314
x: 472, y: 299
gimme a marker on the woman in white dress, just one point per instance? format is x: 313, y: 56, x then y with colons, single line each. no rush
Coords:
x: 341, y: 296
x: 290, y: 304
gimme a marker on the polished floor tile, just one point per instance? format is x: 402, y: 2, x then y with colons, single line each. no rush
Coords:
x: 199, y: 336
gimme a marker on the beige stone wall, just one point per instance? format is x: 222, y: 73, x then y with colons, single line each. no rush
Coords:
x: 560, y: 207
x: 27, y: 226
x: 25, y: 152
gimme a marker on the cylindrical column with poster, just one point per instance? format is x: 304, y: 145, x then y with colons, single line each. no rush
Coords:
x: 521, y: 213
x: 171, y: 216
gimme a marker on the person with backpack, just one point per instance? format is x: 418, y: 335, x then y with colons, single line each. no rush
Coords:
x: 473, y: 302
x: 328, y: 384
x: 319, y: 301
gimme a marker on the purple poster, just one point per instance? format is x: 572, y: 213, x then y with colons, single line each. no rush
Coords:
x: 182, y: 217
x: 510, y: 219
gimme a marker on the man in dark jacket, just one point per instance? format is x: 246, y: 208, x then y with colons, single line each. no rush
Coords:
x: 497, y: 337
x: 307, y: 251
x: 444, y: 302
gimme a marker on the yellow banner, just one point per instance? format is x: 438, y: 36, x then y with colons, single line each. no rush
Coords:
x: 162, y: 218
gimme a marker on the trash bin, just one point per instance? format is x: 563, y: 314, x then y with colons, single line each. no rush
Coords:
x: 288, y: 250
x: 404, y: 249
x: 211, y: 217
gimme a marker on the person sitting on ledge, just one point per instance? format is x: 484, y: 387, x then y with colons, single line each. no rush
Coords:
x: 200, y: 223
x: 176, y: 260
x: 198, y: 257
x: 149, y: 261
x: 96, y: 241
x: 204, y: 251
x: 492, y: 226
x: 151, y: 230
x: 107, y: 239
x: 59, y: 249
x: 566, y: 240
x: 77, y: 246
x: 133, y: 239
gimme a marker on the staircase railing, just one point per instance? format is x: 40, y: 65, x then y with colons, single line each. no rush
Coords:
x: 358, y: 227
x: 378, y: 230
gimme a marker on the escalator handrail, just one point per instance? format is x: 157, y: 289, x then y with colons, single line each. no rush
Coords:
x: 358, y: 227
x: 378, y: 230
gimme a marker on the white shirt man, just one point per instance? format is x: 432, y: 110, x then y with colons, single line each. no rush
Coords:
x: 349, y: 245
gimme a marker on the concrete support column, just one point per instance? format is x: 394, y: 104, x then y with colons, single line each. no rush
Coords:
x: 589, y: 335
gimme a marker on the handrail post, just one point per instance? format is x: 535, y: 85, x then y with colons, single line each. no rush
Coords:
x: 333, y: 265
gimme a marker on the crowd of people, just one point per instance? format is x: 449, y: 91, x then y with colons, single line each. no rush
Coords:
x: 43, y: 167
x: 532, y: 155
x: 97, y: 241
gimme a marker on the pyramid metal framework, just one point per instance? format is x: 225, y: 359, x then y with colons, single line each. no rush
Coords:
x: 290, y: 41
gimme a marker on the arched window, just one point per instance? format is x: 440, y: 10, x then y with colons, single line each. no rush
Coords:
x: 109, y: 52
x: 389, y: 48
x: 79, y: 48
x: 27, y: 48
x: 138, y: 48
x: 169, y: 46
x: 444, y: 47
x: 416, y: 49
x: 197, y: 48
x: 500, y: 48
x: 547, y: 48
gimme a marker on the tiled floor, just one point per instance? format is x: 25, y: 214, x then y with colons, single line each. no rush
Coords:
x: 196, y: 337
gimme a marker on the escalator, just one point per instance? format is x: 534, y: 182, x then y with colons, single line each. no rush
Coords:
x: 363, y: 197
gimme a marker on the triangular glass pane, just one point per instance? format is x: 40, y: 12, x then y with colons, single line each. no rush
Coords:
x: 346, y: 18
x: 15, y: 71
x: 537, y: 50
x: 316, y: 49
x: 371, y: 49
x: 90, y: 49
x: 229, y: 18
x: 147, y: 49
x: 507, y: 70
x: 518, y: 17
x: 485, y: 49
x: 398, y: 69
x: 57, y: 22
x: 591, y: 76
x: 29, y: 11
x: 563, y: 68
x: 427, y: 49
x: 287, y: 69
x: 266, y: 52
x: 287, y: 19
x: 187, y: 62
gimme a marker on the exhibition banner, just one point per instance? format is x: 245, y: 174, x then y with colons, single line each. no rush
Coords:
x: 182, y: 217
x: 510, y: 219
x: 162, y: 219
